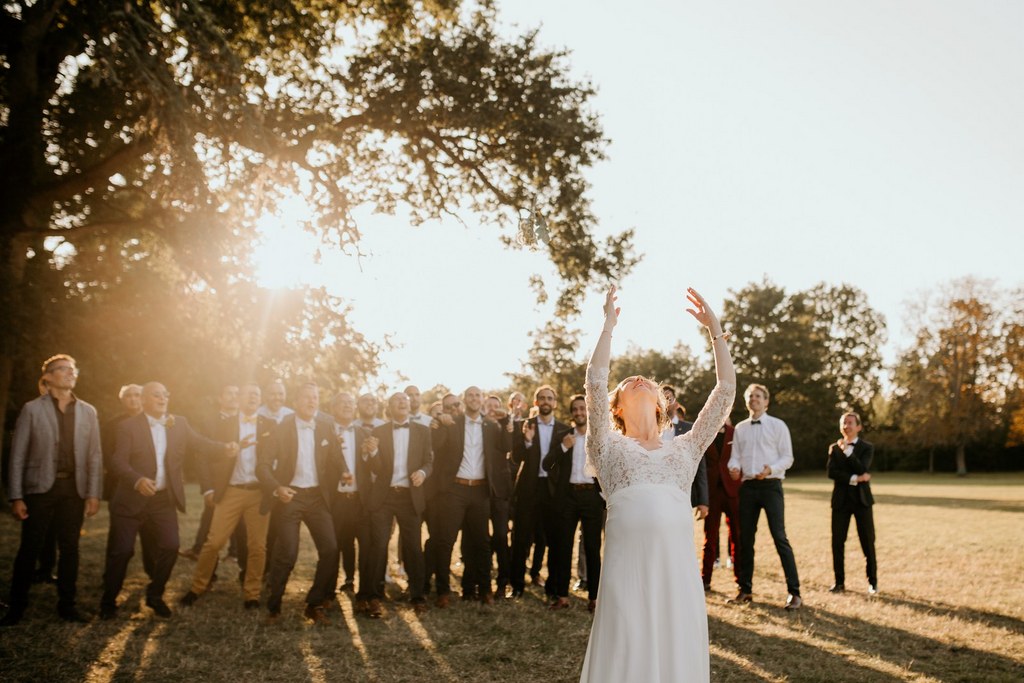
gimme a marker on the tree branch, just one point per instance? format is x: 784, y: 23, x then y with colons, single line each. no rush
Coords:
x: 77, y: 183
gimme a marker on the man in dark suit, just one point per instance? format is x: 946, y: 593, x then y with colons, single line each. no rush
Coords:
x: 301, y: 471
x: 468, y: 464
x: 578, y: 501
x: 501, y: 498
x: 148, y: 461
x: 130, y: 397
x: 723, y: 497
x: 533, y: 501
x: 679, y: 425
x: 401, y: 458
x: 231, y: 489
x: 55, y: 477
x: 849, y: 466
x: 351, y: 521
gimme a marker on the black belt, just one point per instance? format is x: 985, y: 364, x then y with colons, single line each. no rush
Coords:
x: 65, y: 475
x: 399, y: 489
x: 308, y: 489
x: 347, y: 494
x: 246, y: 487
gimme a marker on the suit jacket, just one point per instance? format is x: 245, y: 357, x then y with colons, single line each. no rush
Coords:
x: 33, y: 460
x: 135, y: 458
x: 215, y: 473
x: 420, y: 457
x: 699, y: 488
x: 529, y: 460
x: 558, y: 463
x: 364, y: 471
x: 449, y: 444
x: 841, y: 468
x: 108, y: 441
x: 275, y: 466
x: 718, y: 466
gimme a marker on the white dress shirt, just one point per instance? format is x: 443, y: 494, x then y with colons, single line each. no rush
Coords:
x: 305, y: 458
x: 372, y: 424
x: 472, y: 465
x: 245, y: 465
x: 348, y: 449
x: 848, y: 451
x: 159, y: 432
x: 579, y: 461
x: 765, y: 441
x: 544, y: 432
x: 400, y: 439
x: 421, y: 418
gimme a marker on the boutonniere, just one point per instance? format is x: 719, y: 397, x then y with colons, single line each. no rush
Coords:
x: 169, y: 421
x: 324, y: 442
x: 264, y: 435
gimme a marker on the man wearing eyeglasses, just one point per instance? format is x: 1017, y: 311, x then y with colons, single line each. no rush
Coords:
x: 56, y: 477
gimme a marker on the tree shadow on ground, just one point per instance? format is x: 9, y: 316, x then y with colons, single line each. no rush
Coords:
x: 926, y: 501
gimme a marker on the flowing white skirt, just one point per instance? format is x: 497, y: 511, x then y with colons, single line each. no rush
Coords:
x: 651, y: 623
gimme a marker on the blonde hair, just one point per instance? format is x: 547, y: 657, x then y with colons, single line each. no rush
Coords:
x: 660, y: 408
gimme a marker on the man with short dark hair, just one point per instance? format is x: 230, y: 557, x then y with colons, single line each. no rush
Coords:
x: 55, y: 479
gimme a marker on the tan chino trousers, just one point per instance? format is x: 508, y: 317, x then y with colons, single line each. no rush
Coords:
x: 236, y: 504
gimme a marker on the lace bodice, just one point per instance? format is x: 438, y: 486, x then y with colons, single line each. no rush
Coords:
x: 618, y: 461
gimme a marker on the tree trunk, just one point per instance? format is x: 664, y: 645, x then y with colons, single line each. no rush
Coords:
x: 961, y: 461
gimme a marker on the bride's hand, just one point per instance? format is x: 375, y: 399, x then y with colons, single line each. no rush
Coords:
x: 702, y: 311
x: 611, y: 312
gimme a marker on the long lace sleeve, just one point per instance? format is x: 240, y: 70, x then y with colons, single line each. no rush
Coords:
x: 712, y: 417
x: 598, y: 421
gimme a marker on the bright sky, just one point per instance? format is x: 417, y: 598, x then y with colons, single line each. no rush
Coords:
x: 874, y: 143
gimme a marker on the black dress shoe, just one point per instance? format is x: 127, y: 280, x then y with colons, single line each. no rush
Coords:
x: 793, y: 602
x: 11, y: 618
x: 838, y: 588
x: 108, y: 612
x: 516, y: 593
x: 159, y: 606
x: 72, y: 616
x: 251, y: 604
x: 188, y: 599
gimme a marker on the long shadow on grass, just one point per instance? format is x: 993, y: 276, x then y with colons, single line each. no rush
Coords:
x: 990, y: 619
x: 931, y: 501
x: 781, y: 656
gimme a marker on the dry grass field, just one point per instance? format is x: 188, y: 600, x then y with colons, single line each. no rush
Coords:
x: 951, y: 558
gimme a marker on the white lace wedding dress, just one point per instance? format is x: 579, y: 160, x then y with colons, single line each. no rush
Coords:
x: 651, y: 622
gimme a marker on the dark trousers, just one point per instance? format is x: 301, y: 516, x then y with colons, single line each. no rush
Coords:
x: 757, y: 495
x: 306, y: 507
x: 61, y: 510
x: 351, y: 529
x: 534, y: 525
x: 204, y: 528
x: 865, y: 532
x: 579, y: 506
x: 157, y: 527
x: 499, y: 540
x: 720, y: 503
x: 431, y: 516
x: 467, y: 508
x: 47, y: 554
x: 397, y: 506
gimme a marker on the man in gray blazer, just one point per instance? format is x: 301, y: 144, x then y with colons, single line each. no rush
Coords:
x: 56, y: 477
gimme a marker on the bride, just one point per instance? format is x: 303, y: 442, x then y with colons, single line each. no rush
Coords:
x: 651, y: 622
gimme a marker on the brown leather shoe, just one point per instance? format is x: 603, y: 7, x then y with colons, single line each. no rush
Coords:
x: 374, y: 610
x: 443, y: 601
x: 740, y: 599
x: 420, y: 607
x: 272, y: 619
x: 559, y: 603
x: 794, y: 602
x: 317, y: 614
x: 487, y: 599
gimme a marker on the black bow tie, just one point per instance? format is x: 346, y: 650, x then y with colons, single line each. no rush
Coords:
x: 755, y: 422
x: 404, y: 425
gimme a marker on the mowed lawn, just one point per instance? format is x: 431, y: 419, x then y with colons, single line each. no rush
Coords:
x: 950, y: 609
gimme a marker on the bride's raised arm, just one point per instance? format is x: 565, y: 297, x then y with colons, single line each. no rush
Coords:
x: 712, y: 415
x: 598, y: 418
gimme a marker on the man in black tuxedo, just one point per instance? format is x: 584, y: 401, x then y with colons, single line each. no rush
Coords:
x: 351, y: 500
x: 578, y: 501
x: 501, y: 495
x: 300, y: 472
x: 231, y: 489
x: 148, y: 462
x: 469, y: 463
x: 849, y: 466
x: 533, y: 500
x: 699, y: 498
x: 401, y: 458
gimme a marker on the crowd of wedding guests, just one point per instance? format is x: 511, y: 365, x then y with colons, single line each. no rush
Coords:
x: 504, y: 478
